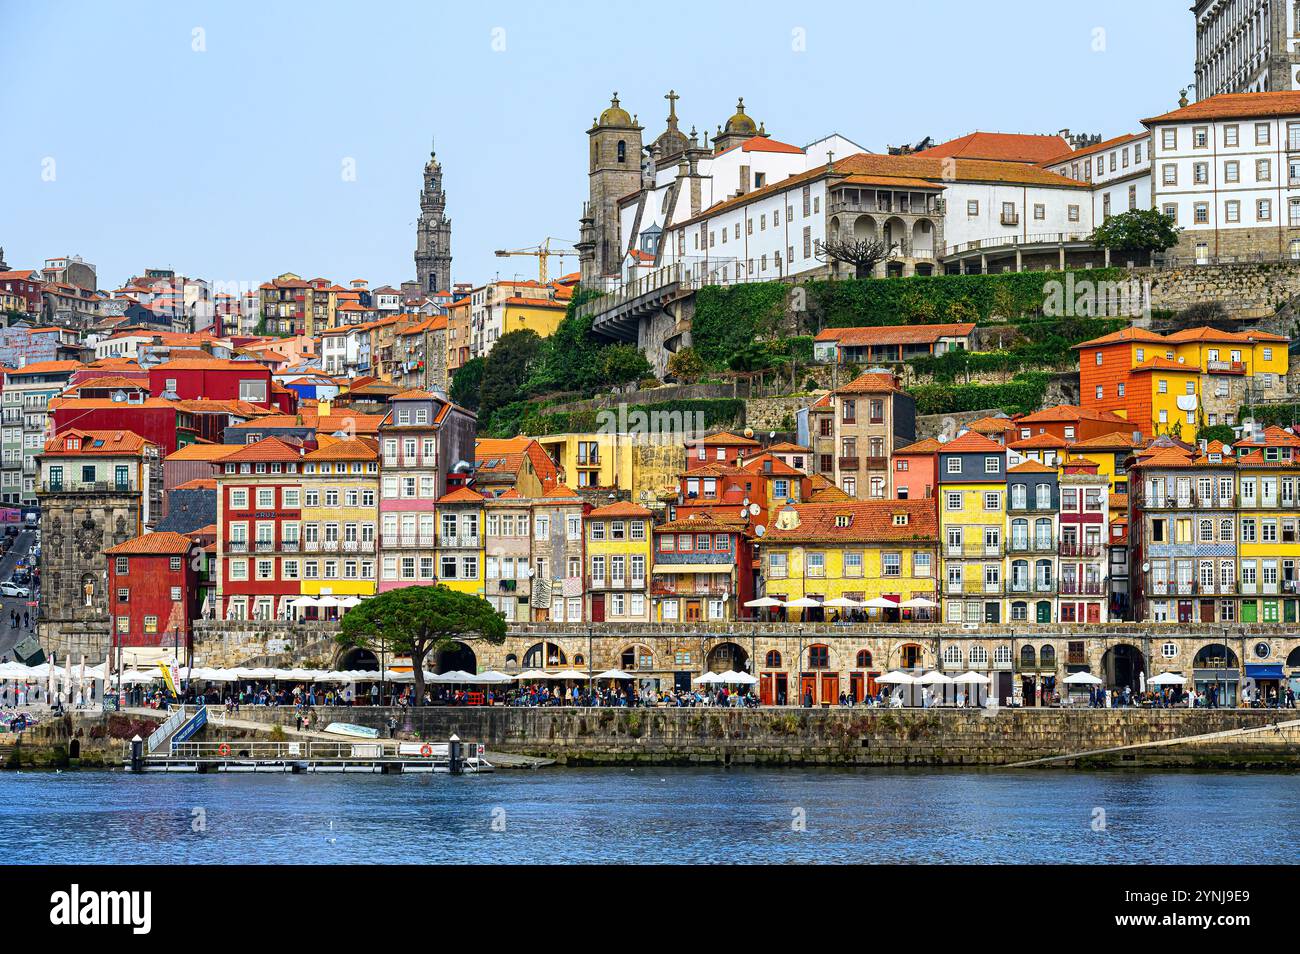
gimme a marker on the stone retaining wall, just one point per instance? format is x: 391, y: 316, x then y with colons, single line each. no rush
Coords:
x: 858, y: 737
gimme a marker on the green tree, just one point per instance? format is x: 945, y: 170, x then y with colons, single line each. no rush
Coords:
x: 506, y: 369
x: 622, y: 363
x: 1137, y: 230
x: 686, y: 365
x: 467, y: 382
x: 417, y: 621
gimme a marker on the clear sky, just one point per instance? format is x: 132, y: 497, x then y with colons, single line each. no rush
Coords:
x: 213, y: 137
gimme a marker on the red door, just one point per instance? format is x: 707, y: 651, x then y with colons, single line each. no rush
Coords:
x: 765, y: 688
x: 830, y: 688
x: 855, y: 686
x: 807, y: 687
x: 1094, y: 612
x: 598, y: 607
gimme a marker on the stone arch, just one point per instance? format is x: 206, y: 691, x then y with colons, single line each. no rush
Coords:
x: 864, y: 227
x: 726, y: 655
x: 907, y: 653
x: 896, y: 232
x: 356, y: 658
x: 923, y: 232
x: 462, y: 657
x: 1293, y: 658
x: 1216, y: 656
x: 1122, y: 665
x: 636, y: 656
x: 772, y: 659
x: 543, y: 654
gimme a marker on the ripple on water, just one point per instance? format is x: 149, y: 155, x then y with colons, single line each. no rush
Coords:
x: 651, y: 815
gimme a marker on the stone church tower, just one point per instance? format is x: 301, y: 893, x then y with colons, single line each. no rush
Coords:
x: 433, y: 232
x: 614, y: 171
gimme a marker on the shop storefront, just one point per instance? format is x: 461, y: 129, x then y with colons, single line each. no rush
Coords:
x: 1264, y: 681
x: 1221, y: 685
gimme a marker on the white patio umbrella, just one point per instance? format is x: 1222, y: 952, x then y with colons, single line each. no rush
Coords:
x: 897, y: 678
x: 457, y: 675
x: 569, y: 674
x: 327, y: 600
x: 933, y: 678
x: 803, y: 602
x: 1082, y: 679
x: 613, y: 674
x: 879, y: 602
x: 706, y: 679
x: 394, y: 675
x: 495, y: 677
x: 745, y: 679
x: 918, y: 602
x: 81, y: 678
x: 972, y: 679
x: 844, y: 602
x: 765, y: 602
x: 1142, y: 682
x: 532, y: 674
x: 1168, y: 679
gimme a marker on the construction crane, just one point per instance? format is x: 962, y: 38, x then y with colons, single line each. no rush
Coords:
x: 541, y: 253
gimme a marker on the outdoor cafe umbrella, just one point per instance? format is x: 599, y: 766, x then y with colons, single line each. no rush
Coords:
x: 733, y: 678
x: 1082, y: 679
x: 765, y: 602
x: 897, y: 678
x: 533, y: 674
x: 495, y: 676
x: 844, y: 602
x: 803, y: 602
x: 613, y: 674
x: 934, y: 678
x: 918, y: 602
x: 972, y: 678
x: 706, y: 679
x: 879, y: 602
x: 1168, y: 679
x: 568, y: 674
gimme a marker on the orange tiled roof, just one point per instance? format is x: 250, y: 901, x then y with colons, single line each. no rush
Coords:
x: 972, y: 443
x: 1121, y: 336
x: 1070, y: 412
x: 1117, y: 440
x: 198, y: 483
x: 96, y: 443
x: 159, y: 543
x: 895, y: 334
x: 1235, y: 106
x: 343, y: 450
x: 1226, y: 337
x: 202, y: 452
x: 1031, y: 467
x: 991, y: 425
x: 1038, y: 442
x: 870, y: 382
x: 461, y: 495
x: 1002, y: 147
x: 268, y: 449
x: 869, y: 521
x: 927, y: 446
x: 623, y: 508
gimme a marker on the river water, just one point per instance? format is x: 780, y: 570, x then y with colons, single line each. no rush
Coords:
x: 648, y: 815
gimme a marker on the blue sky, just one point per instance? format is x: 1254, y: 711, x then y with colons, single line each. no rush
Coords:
x: 129, y: 147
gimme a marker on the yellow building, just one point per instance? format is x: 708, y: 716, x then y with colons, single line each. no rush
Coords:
x: 617, y: 460
x: 1108, y: 452
x: 1268, y: 521
x: 540, y: 315
x: 460, y: 541
x: 971, y: 498
x: 855, y: 549
x: 1171, y: 393
x: 1214, y: 352
x: 618, y: 563
x: 340, y: 495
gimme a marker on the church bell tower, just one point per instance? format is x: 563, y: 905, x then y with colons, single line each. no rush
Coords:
x: 433, y: 232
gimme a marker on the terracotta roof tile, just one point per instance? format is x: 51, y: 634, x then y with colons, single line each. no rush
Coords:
x: 895, y: 334
x: 869, y: 521
x: 159, y: 543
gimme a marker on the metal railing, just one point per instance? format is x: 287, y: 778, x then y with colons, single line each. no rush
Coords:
x: 161, y: 734
x: 1010, y: 241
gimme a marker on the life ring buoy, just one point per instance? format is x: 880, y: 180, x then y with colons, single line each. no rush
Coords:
x: 223, y: 749
x: 426, y: 750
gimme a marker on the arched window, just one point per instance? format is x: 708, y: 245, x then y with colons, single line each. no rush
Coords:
x: 952, y: 655
x: 1047, y: 656
x: 511, y: 660
x: 864, y: 659
x: 819, y: 656
x: 979, y: 656
x: 622, y: 151
x: 1027, y: 656
x: 636, y: 657
x: 1002, y: 655
x: 773, y: 659
x: 541, y: 655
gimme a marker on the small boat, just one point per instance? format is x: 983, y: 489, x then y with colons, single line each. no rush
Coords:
x: 355, y: 731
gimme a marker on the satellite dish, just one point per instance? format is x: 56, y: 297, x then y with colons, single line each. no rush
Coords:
x: 745, y: 502
x: 1146, y: 567
x: 760, y: 530
x: 529, y: 572
x: 744, y: 512
x: 754, y: 509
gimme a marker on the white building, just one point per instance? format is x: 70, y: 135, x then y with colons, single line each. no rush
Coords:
x: 1246, y: 46
x: 1227, y: 170
x: 1119, y: 171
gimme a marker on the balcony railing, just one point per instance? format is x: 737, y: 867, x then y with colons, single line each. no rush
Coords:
x: 1031, y: 546
x: 450, y: 540
x: 848, y: 463
x: 1086, y: 588
x: 408, y: 540
x: 1080, y: 549
x: 236, y: 546
x: 973, y: 588
x: 86, y: 487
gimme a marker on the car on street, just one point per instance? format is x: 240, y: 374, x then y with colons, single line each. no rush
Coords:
x: 9, y: 588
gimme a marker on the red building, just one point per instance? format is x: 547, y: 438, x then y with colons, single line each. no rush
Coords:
x: 157, y: 421
x: 1070, y: 423
x: 703, y: 569
x: 22, y: 283
x: 153, y: 590
x: 218, y: 380
x: 723, y: 448
x: 259, y: 513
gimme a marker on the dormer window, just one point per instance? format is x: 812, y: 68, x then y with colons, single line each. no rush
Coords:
x: 900, y: 519
x: 843, y: 520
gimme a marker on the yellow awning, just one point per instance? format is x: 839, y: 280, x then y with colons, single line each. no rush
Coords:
x: 672, y: 568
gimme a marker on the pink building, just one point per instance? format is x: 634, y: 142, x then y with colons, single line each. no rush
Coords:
x: 916, y: 470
